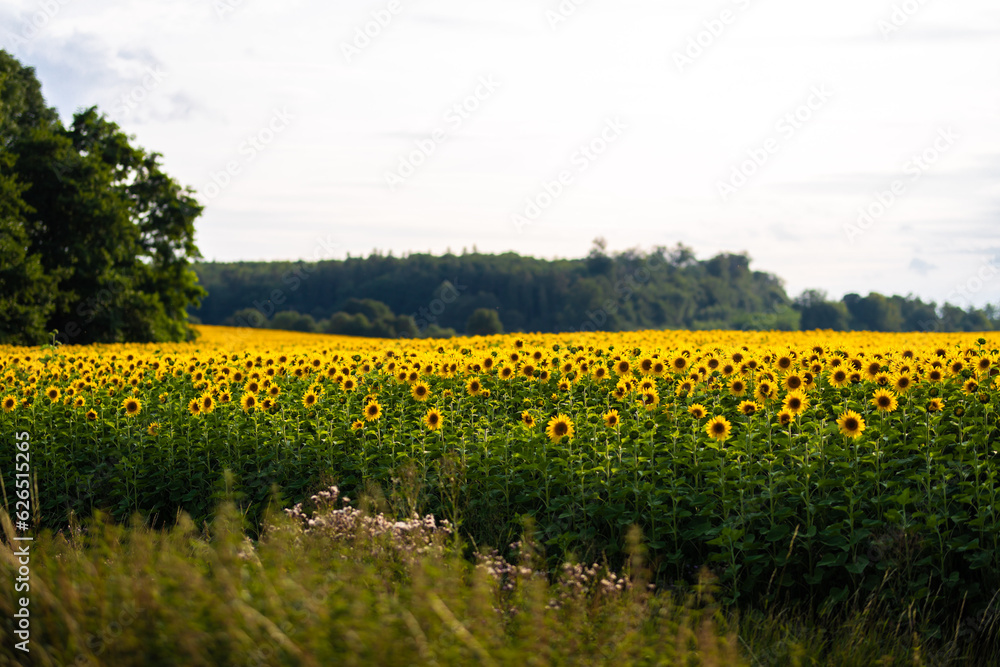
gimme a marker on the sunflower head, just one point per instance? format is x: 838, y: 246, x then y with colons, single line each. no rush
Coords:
x: 718, y: 428
x: 697, y: 411
x: 649, y: 399
x: 884, y: 400
x: 9, y: 403
x: 559, y: 427
x: 796, y: 402
x: 611, y: 419
x: 373, y: 411
x: 851, y: 424
x: 432, y: 420
x: 527, y: 419
x: 91, y: 416
x: 785, y: 417
x: 793, y: 382
x: 132, y: 406
x: 248, y: 402
x: 154, y: 429
x: 420, y: 391
x: 749, y: 408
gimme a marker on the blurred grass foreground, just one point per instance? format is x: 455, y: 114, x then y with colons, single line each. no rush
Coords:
x: 330, y: 584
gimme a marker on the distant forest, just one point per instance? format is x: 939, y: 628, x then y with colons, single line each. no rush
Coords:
x: 665, y: 288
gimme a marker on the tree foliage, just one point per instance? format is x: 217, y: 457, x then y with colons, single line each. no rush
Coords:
x: 103, y: 235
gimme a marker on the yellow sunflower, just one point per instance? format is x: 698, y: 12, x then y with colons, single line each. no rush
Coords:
x: 527, y: 419
x: 611, y: 419
x: 649, y: 399
x: 851, y: 424
x: 248, y: 402
x: 132, y: 406
x: 902, y: 384
x: 154, y: 429
x: 718, y: 428
x: 373, y: 411
x: 433, y: 419
x: 796, y: 402
x: 884, y: 400
x: 420, y: 391
x: 474, y: 387
x: 697, y: 411
x: 9, y: 403
x: 559, y: 427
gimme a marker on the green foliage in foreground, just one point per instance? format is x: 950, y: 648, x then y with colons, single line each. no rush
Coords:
x: 347, y: 593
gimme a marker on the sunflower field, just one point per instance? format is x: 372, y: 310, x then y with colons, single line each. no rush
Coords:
x: 811, y: 467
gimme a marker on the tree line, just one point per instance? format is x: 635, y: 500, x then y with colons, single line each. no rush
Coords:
x: 663, y: 288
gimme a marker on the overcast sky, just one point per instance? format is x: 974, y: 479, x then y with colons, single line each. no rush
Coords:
x: 763, y: 126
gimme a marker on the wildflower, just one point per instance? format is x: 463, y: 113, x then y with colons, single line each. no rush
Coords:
x: 749, y: 408
x: 9, y: 403
x: 132, y: 406
x: 611, y: 419
x: 697, y: 411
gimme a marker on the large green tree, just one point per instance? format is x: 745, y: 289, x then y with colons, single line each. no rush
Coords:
x: 108, y: 232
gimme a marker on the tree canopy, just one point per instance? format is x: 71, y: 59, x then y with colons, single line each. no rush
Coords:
x: 96, y: 241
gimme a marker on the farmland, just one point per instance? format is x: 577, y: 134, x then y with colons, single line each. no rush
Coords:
x: 818, y: 470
